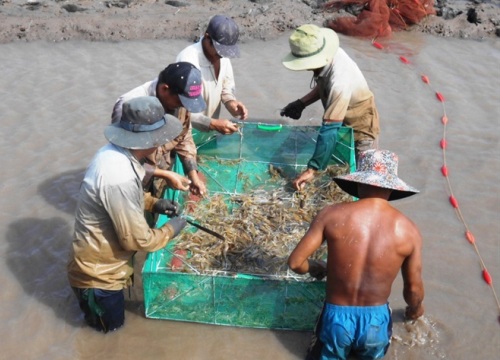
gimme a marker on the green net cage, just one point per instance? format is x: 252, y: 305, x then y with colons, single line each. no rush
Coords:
x: 233, y: 166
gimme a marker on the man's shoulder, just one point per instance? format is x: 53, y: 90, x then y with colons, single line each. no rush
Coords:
x: 341, y: 54
x: 226, y: 62
x: 362, y: 209
x: 112, y: 164
x: 342, y: 60
x: 192, y: 53
x: 337, y: 209
x: 110, y: 155
x: 146, y: 89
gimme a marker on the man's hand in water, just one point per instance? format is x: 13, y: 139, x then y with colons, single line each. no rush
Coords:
x: 317, y: 269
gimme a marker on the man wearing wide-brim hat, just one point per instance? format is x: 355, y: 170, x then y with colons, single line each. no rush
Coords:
x: 110, y: 226
x: 342, y: 89
x: 369, y: 243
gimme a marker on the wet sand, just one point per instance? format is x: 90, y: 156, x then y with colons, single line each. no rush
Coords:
x: 119, y: 20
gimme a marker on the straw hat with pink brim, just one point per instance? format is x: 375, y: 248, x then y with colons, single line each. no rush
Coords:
x: 311, y: 47
x: 376, y: 168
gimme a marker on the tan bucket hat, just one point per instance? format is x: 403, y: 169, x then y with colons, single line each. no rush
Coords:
x: 311, y: 47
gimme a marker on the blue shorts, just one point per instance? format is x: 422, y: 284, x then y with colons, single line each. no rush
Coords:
x: 104, y: 310
x: 361, y: 330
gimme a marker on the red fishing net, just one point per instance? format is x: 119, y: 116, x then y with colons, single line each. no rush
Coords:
x: 378, y: 18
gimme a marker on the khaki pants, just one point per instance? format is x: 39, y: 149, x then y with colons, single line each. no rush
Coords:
x: 363, y: 145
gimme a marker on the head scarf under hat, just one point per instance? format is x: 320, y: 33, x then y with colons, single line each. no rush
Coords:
x: 185, y: 80
x: 224, y: 33
x: 311, y: 48
x: 143, y: 125
x: 377, y: 168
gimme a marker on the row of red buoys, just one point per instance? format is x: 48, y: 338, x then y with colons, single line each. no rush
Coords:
x: 445, y: 172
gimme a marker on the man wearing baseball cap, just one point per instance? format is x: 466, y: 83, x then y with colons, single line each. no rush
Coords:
x: 212, y: 55
x: 179, y: 89
x: 110, y: 226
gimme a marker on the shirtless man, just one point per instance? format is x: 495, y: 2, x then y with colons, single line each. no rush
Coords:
x: 369, y: 242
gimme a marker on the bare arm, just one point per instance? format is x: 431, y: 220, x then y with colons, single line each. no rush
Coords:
x: 173, y: 180
x: 307, y: 175
x: 197, y: 186
x: 223, y: 126
x: 204, y: 123
x: 413, y: 290
x: 298, y: 260
x: 237, y: 109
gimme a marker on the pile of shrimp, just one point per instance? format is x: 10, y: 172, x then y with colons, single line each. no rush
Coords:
x: 260, y: 228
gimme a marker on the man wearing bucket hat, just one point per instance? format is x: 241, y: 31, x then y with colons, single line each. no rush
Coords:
x: 369, y: 242
x: 178, y: 87
x: 342, y: 89
x: 110, y: 226
x: 212, y: 55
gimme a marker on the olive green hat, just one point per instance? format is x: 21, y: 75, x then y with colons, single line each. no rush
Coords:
x: 311, y: 47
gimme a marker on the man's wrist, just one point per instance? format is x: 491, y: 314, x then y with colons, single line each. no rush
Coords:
x: 414, y: 312
x: 212, y: 125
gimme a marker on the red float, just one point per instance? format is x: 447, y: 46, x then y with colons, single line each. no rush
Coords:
x: 470, y: 237
x: 487, y: 277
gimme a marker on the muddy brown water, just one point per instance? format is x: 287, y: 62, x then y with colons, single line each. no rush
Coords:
x: 56, y: 99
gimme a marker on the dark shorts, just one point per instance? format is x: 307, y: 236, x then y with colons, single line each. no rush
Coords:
x: 364, y: 331
x: 104, y: 310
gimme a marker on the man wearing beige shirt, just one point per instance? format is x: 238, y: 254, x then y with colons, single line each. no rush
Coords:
x: 110, y: 226
x: 342, y: 89
x: 212, y: 55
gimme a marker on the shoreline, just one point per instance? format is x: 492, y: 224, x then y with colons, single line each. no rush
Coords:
x: 122, y: 20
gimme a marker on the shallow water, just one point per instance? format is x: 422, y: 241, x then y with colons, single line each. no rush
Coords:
x: 56, y: 99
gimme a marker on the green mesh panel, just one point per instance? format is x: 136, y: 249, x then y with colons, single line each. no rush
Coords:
x: 243, y: 300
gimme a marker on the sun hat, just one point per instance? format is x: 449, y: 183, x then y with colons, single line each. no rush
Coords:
x: 311, y: 47
x: 185, y: 80
x: 377, y: 168
x: 143, y: 125
x: 224, y: 33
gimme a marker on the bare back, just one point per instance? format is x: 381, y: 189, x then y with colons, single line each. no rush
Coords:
x: 369, y: 241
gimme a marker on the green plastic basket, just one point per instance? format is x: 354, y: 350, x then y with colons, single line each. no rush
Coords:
x: 238, y: 164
